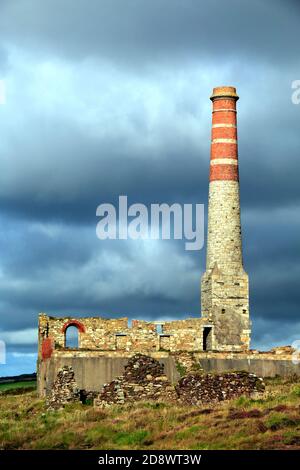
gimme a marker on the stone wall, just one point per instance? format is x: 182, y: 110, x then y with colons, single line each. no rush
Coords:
x: 103, y: 334
x: 225, y: 303
x: 94, y: 332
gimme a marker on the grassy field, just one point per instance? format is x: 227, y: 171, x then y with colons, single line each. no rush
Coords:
x: 4, y: 387
x: 272, y: 422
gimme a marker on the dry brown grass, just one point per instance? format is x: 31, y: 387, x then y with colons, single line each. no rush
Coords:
x: 272, y: 422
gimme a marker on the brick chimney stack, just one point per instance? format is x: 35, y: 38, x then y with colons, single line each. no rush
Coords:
x: 224, y: 288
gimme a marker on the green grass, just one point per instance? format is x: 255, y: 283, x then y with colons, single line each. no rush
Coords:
x: 16, y: 385
x: 280, y: 420
x: 130, y: 439
x: 180, y: 369
x: 296, y: 391
x: 272, y: 422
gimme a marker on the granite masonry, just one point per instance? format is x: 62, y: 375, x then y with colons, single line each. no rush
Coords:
x: 224, y: 287
x: 217, y: 341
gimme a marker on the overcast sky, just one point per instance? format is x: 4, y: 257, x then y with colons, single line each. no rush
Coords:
x: 111, y: 97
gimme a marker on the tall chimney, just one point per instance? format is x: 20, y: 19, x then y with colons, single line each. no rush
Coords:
x: 224, y: 288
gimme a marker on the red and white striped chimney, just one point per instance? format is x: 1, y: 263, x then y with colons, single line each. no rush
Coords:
x: 224, y: 285
x: 224, y: 245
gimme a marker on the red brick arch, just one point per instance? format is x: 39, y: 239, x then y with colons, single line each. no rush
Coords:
x: 76, y: 323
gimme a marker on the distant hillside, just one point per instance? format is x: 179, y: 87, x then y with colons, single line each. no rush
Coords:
x: 18, y: 378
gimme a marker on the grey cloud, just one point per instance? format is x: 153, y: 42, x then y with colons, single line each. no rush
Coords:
x: 132, y: 31
x: 270, y: 333
x: 72, y: 272
x: 67, y: 153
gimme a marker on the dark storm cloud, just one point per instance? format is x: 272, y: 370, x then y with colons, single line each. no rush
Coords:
x: 111, y: 97
x: 274, y: 332
x: 72, y: 271
x: 131, y: 31
x: 138, y: 159
x: 74, y: 151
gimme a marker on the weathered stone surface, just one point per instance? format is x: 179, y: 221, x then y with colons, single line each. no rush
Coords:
x: 140, y: 368
x: 283, y: 350
x: 196, y: 389
x: 64, y: 389
x: 100, y: 334
x: 143, y: 379
x: 187, y: 363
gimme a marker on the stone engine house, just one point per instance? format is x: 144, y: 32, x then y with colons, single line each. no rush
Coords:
x: 224, y: 328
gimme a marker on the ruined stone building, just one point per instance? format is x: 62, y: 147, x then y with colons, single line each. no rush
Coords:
x: 220, y: 338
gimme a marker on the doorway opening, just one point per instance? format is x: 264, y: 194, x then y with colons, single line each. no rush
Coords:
x: 207, y: 338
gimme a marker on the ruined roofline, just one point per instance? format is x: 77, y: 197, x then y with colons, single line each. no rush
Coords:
x: 72, y: 317
x: 88, y: 317
x: 190, y: 334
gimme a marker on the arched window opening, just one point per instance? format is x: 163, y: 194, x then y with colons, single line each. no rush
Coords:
x: 72, y: 337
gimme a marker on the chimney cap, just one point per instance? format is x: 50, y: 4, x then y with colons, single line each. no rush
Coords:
x: 224, y: 92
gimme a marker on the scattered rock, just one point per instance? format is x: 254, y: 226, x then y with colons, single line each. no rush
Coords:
x: 140, y: 366
x: 143, y: 379
x: 196, y: 389
x: 64, y: 389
